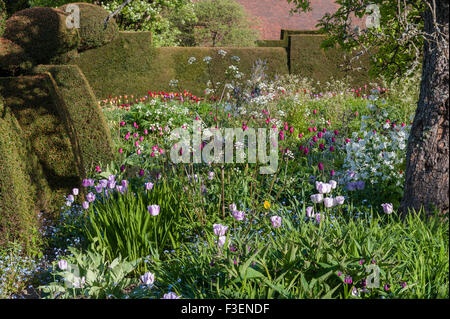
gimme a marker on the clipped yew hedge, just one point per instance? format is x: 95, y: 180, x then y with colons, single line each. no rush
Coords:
x: 2, y: 17
x: 93, y: 34
x: 130, y: 65
x: 79, y: 110
x: 18, y: 220
x: 42, y: 33
x: 308, y: 59
x: 13, y: 58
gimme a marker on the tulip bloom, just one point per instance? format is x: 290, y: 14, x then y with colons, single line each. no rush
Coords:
x: 85, y: 205
x: 310, y: 212
x: 317, y: 198
x: 90, y: 197
x: 170, y: 295
x: 388, y: 208
x: 219, y: 229
x: 320, y: 166
x: 148, y: 279
x: 238, y: 215
x: 222, y: 240
x: 328, y: 202
x: 153, y: 210
x: 339, y: 200
x: 333, y: 184
x: 148, y: 186
x: 276, y: 221
x: 233, y: 207
x: 62, y: 264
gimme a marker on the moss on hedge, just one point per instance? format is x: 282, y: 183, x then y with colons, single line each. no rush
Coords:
x: 84, y: 119
x: 13, y: 59
x: 92, y: 31
x: 2, y: 17
x: 308, y: 59
x: 130, y: 65
x: 42, y: 33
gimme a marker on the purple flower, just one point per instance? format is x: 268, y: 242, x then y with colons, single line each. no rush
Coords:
x: 124, y: 183
x: 328, y: 202
x: 148, y: 279
x: 233, y: 207
x: 238, y: 215
x: 62, y: 264
x: 388, y: 208
x: 170, y: 295
x: 121, y: 189
x: 320, y: 166
x: 351, y: 186
x: 85, y: 205
x: 98, y: 188
x: 310, y: 212
x: 323, y: 188
x: 219, y: 229
x: 348, y: 280
x: 360, y: 185
x: 318, y: 218
x: 338, y: 200
x: 90, y: 197
x: 75, y: 191
x: 103, y: 182
x: 222, y: 240
x: 210, y: 175
x: 403, y: 284
x: 333, y: 184
x: 70, y: 198
x: 148, y: 186
x: 317, y: 198
x: 276, y: 221
x: 153, y: 210
x: 111, y: 178
x: 85, y: 183
x: 386, y: 287
x: 111, y: 184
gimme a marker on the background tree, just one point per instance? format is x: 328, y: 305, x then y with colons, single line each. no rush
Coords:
x: 222, y: 23
x: 405, y: 36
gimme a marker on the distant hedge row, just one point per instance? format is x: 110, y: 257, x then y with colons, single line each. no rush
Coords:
x: 130, y: 65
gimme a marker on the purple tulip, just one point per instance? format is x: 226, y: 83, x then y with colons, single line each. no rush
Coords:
x: 90, y: 197
x: 111, y: 178
x: 310, y: 212
x: 98, y: 188
x: 170, y: 295
x: 148, y: 279
x: 70, y: 198
x: 111, y: 184
x: 233, y: 207
x: 62, y: 264
x: 153, y: 210
x: 338, y: 200
x: 276, y: 221
x: 328, y: 202
x: 388, y: 208
x: 103, y: 182
x: 323, y: 188
x: 124, y: 183
x: 320, y: 166
x: 222, y: 240
x: 219, y: 229
x: 85, y: 183
x: 333, y: 184
x: 317, y: 198
x: 210, y: 175
x: 238, y: 215
x: 85, y: 205
x: 148, y: 186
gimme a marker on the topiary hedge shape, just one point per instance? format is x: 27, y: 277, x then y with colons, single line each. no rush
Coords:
x: 18, y: 220
x: 42, y: 33
x: 2, y: 17
x: 13, y: 58
x: 92, y: 28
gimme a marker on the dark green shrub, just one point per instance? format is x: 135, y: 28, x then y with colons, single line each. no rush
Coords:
x: 18, y: 221
x: 79, y: 110
x: 42, y: 33
x: 92, y: 31
x: 12, y: 6
x: 12, y: 58
x: 2, y: 17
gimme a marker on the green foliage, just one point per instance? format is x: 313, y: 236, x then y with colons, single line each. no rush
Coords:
x: 129, y: 65
x: 2, y: 17
x: 120, y: 224
x: 90, y: 274
x: 309, y: 60
x: 80, y: 112
x: 223, y: 23
x: 92, y: 27
x: 47, y: 156
x: 42, y: 33
x: 17, y: 220
x: 165, y: 19
x: 13, y: 58
x: 396, y: 46
x: 52, y: 3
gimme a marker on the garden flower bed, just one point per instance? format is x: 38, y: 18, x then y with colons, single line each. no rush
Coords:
x: 322, y: 224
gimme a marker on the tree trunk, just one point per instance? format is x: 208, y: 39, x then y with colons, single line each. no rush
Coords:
x: 427, y: 180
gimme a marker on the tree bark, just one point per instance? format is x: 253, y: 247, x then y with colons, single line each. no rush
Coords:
x: 426, y: 175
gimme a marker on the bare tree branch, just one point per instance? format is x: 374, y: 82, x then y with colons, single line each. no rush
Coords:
x: 111, y: 15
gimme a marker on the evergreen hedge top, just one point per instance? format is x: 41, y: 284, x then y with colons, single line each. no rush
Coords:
x: 12, y: 57
x: 92, y: 27
x: 42, y: 33
x: 2, y: 17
